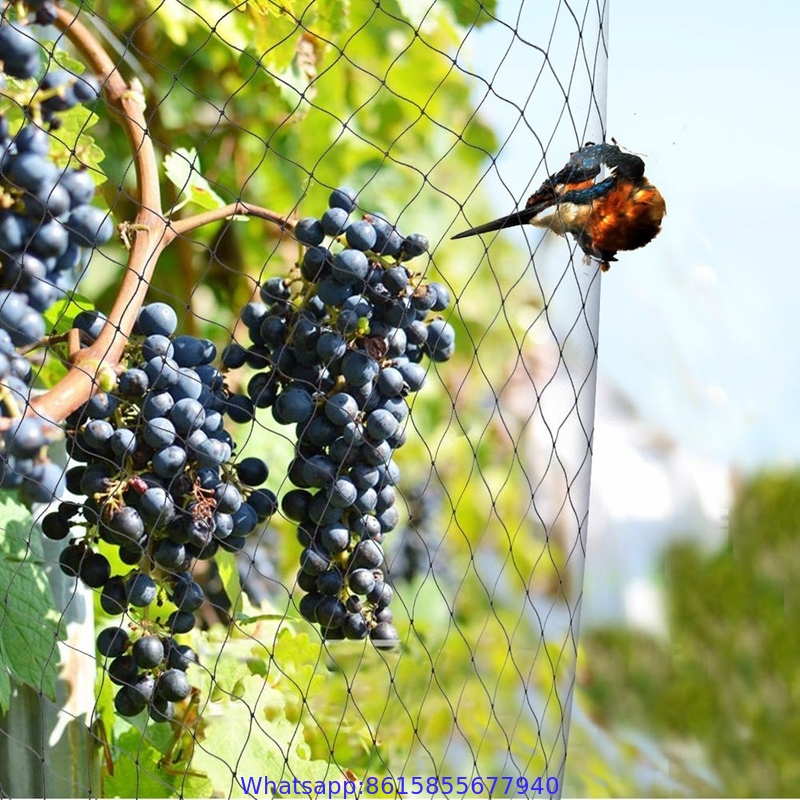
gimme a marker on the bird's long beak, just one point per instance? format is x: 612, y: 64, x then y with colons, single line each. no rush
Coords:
x: 520, y: 217
x: 511, y: 221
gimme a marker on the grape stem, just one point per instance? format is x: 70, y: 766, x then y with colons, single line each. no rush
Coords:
x: 181, y: 227
x: 81, y: 382
x: 153, y: 232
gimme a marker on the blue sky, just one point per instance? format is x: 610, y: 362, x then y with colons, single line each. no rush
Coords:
x: 700, y: 328
x: 714, y: 301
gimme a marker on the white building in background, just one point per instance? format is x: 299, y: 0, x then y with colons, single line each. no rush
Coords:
x: 647, y: 491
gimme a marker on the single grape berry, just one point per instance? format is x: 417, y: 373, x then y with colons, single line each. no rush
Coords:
x: 180, y: 656
x: 95, y: 570
x: 123, y: 670
x: 161, y: 710
x: 173, y: 685
x: 156, y: 318
x: 148, y: 652
x: 308, y: 231
x: 141, y: 589
x: 187, y: 594
x: 128, y: 702
x: 180, y: 621
x: 112, y: 642
x: 343, y: 197
x: 113, y: 599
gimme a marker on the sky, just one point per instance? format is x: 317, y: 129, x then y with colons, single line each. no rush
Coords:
x: 700, y: 328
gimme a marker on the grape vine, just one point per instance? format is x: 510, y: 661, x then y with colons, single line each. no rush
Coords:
x: 336, y: 349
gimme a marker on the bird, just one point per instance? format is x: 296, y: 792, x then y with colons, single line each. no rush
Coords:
x: 622, y: 212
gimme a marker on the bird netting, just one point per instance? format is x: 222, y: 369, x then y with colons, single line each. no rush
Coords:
x: 295, y: 487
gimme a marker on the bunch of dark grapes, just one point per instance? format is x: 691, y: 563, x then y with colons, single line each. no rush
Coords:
x: 24, y: 464
x: 48, y: 229
x: 21, y: 55
x: 339, y: 349
x: 156, y: 468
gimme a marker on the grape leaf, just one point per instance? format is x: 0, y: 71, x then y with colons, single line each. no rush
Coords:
x: 60, y: 317
x: 229, y: 575
x: 71, y: 142
x: 139, y: 771
x: 28, y: 652
x: 182, y: 168
x: 259, y: 740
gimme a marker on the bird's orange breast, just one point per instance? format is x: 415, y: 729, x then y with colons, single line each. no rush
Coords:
x: 628, y: 217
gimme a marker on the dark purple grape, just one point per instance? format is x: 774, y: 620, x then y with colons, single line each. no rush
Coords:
x: 264, y: 502
x: 180, y: 621
x: 361, y: 235
x: 156, y: 318
x: 187, y: 594
x: 88, y: 226
x: 148, y: 652
x: 330, y: 583
x: 252, y: 471
x: 180, y: 656
x: 228, y: 498
x: 80, y: 187
x: 113, y: 599
x: 112, y: 642
x: 415, y: 245
x: 169, y: 461
x: 141, y: 589
x: 19, y: 50
x: 361, y: 581
x: 173, y: 685
x: 70, y: 559
x: 308, y: 231
x: 330, y: 613
x: 161, y: 710
x: 294, y: 404
x: 343, y: 197
x: 384, y: 634
x: 349, y: 267
x: 55, y: 527
x: 95, y: 570
x: 169, y: 555
x: 334, y: 221
x: 128, y: 702
x: 126, y: 526
x: 355, y: 626
x: 123, y: 670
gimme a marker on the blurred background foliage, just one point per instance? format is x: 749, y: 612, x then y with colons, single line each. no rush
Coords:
x: 282, y: 104
x: 722, y: 690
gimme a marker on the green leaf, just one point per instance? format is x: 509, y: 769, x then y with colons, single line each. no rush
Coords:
x: 71, y: 143
x: 229, y: 575
x: 474, y: 12
x: 60, y: 317
x: 182, y: 168
x: 258, y: 739
x: 104, y: 708
x: 28, y: 630
x: 139, y: 771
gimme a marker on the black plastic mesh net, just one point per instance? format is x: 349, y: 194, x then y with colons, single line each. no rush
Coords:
x: 322, y: 472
